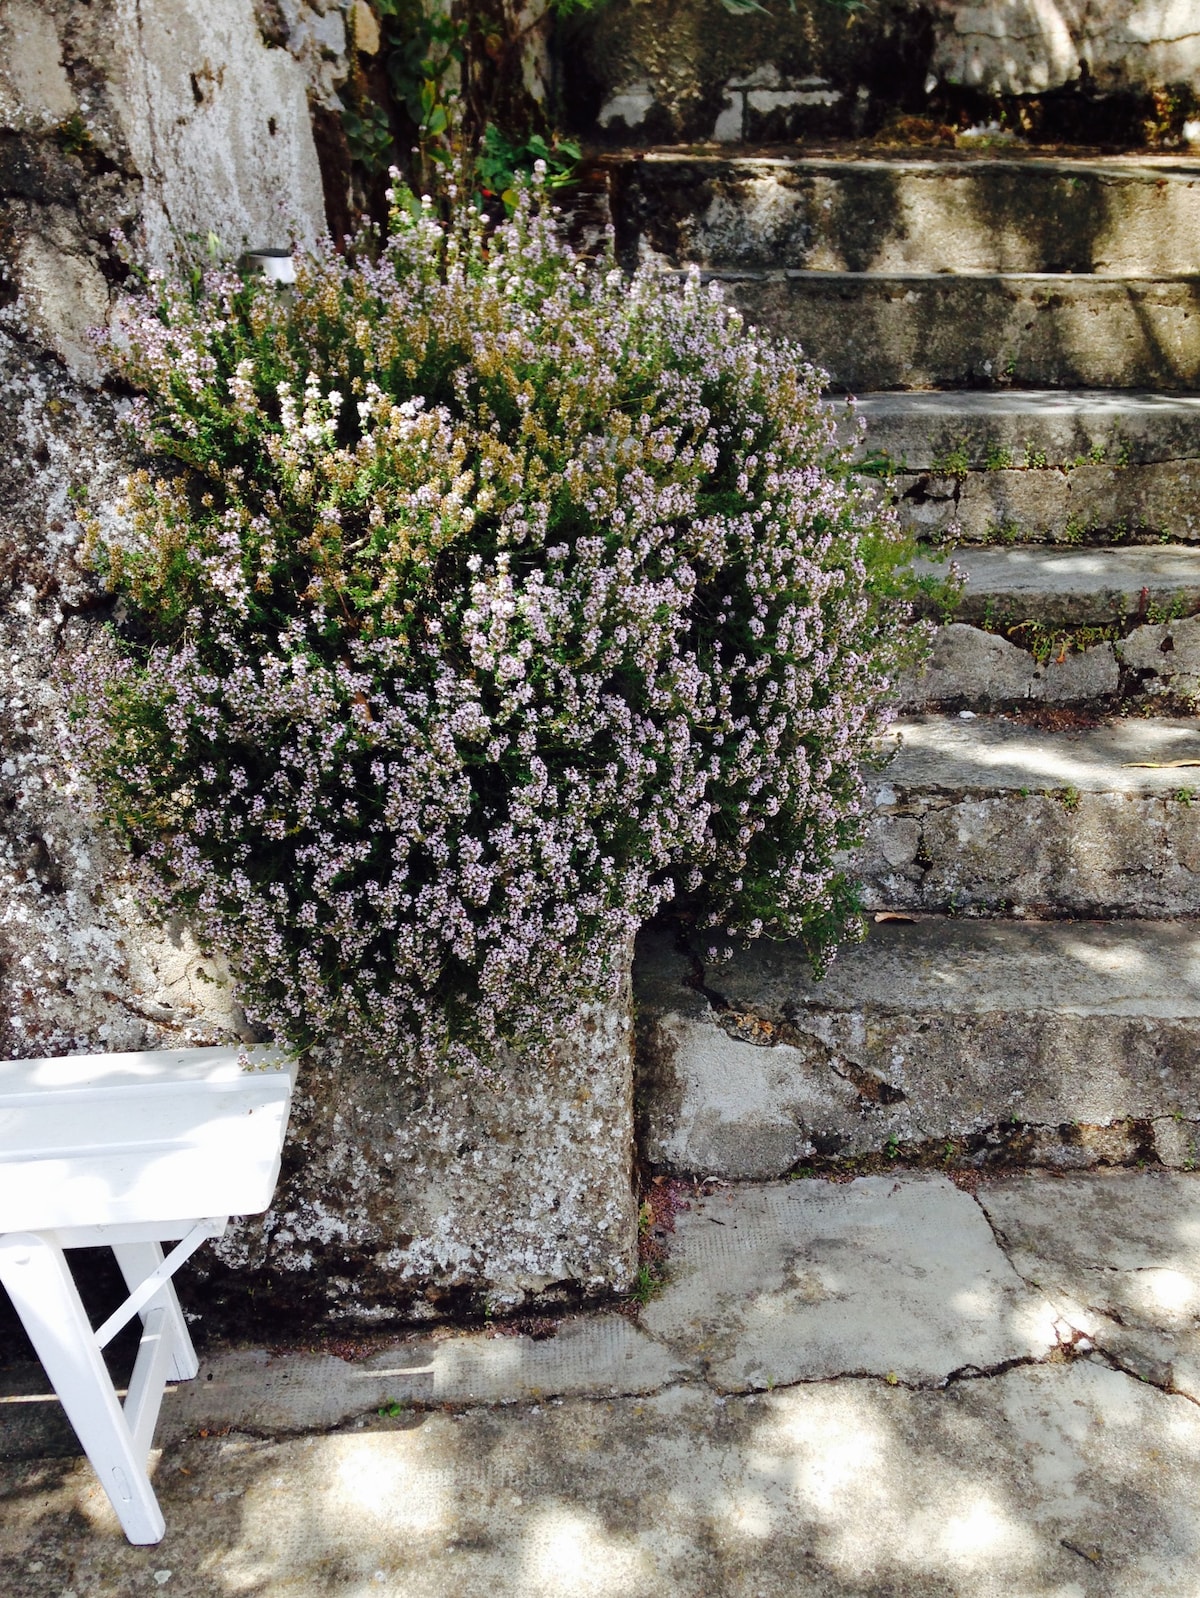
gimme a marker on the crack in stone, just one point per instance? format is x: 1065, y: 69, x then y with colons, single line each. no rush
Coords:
x: 1098, y: 1343
x: 1116, y: 1363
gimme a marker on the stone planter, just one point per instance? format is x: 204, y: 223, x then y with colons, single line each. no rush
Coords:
x: 406, y: 1198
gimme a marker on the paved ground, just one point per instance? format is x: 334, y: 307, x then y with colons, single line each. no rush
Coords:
x: 884, y: 1387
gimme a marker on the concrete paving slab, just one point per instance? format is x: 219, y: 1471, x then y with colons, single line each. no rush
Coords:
x: 943, y: 1028
x: 802, y: 1281
x: 1119, y: 1254
x: 1067, y: 1481
x: 605, y: 1355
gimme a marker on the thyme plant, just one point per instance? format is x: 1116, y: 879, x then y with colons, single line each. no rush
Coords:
x: 478, y: 601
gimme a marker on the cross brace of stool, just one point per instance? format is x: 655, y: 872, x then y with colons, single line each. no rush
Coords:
x: 116, y: 1438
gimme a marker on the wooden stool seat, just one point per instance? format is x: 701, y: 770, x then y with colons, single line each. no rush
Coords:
x: 128, y: 1151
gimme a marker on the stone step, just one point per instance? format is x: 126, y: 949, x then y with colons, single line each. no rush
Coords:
x: 990, y: 815
x: 1066, y: 626
x: 1059, y: 466
x: 880, y: 330
x: 1076, y: 587
x: 936, y: 1030
x: 978, y: 430
x: 909, y: 213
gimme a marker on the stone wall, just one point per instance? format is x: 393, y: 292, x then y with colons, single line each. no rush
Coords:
x: 174, y: 120
x: 647, y: 71
x: 406, y: 1199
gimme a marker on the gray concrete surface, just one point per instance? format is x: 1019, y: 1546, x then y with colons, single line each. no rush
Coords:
x: 989, y: 813
x: 808, y: 1281
x: 1077, y: 587
x: 907, y: 214
x: 1052, y: 1042
x: 1079, y: 504
x: 1119, y: 1257
x: 878, y: 330
x: 868, y: 1462
x: 1065, y: 426
x: 953, y: 754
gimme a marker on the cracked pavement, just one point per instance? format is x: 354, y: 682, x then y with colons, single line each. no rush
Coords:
x: 883, y: 1385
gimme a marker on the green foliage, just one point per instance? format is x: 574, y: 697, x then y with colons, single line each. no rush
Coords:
x: 955, y: 461
x: 503, y: 161
x: 369, y: 135
x: 74, y: 137
x: 647, y: 1284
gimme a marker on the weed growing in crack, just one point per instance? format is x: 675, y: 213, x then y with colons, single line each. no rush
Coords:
x: 955, y: 461
x: 647, y: 1284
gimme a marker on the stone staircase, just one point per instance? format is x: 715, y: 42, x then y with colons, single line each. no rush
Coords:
x: 1023, y: 338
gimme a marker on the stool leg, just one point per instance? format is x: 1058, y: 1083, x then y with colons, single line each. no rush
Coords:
x: 45, y: 1296
x: 137, y: 1260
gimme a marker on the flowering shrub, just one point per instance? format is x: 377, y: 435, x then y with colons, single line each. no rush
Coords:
x: 492, y: 601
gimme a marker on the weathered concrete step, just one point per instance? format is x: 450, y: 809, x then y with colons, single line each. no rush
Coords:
x: 909, y: 214
x: 1038, y: 464
x: 935, y: 1030
x: 1076, y: 587
x: 981, y: 430
x: 989, y: 815
x: 1057, y: 626
x: 876, y: 330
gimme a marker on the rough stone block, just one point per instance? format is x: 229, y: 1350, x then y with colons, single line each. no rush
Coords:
x: 968, y: 666
x: 218, y: 124
x: 879, y: 330
x: 35, y: 92
x: 65, y: 298
x: 1098, y: 822
x: 1023, y: 47
x: 932, y: 1030
x: 1177, y: 1142
x: 1165, y: 657
x: 909, y: 214
x: 405, y: 1198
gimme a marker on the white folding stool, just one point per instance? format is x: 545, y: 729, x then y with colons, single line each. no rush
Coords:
x: 128, y: 1151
